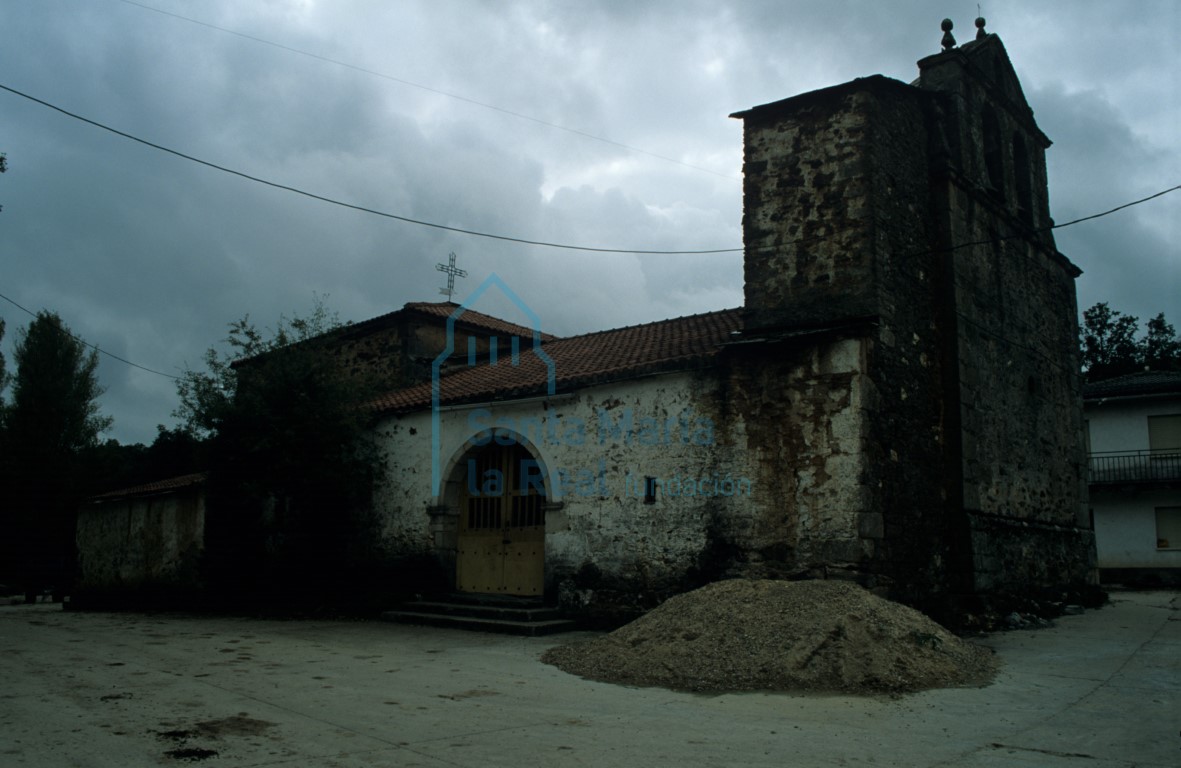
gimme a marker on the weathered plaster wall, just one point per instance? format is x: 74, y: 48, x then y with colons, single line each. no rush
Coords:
x: 141, y: 543
x: 775, y: 453
x: 597, y: 445
x: 803, y: 407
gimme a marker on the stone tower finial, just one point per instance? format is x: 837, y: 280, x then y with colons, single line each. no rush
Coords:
x: 948, y: 40
x: 980, y: 33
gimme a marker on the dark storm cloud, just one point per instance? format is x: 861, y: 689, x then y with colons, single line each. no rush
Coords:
x: 1130, y: 258
x: 151, y: 256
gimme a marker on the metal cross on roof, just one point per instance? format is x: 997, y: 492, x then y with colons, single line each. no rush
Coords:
x: 452, y: 272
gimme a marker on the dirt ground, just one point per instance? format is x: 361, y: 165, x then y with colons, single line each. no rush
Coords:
x: 122, y: 689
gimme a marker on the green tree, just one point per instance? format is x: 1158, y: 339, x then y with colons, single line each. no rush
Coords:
x: 1110, y: 347
x: 110, y: 465
x: 3, y: 376
x: 292, y: 462
x: 1108, y: 343
x: 1160, y: 349
x: 54, y: 417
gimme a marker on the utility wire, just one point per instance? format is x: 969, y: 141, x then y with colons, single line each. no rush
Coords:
x: 352, y: 206
x: 362, y: 209
x: 955, y: 247
x: 524, y: 241
x: 84, y: 342
x: 457, y: 97
x: 1050, y: 228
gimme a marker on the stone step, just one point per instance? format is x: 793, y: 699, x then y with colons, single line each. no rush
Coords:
x: 486, y: 610
x: 484, y: 613
x: 530, y: 628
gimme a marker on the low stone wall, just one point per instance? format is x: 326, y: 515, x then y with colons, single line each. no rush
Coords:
x: 140, y: 545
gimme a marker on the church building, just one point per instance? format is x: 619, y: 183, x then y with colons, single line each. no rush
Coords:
x: 897, y: 402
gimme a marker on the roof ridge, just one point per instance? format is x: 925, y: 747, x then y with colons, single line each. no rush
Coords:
x: 176, y: 482
x: 642, y: 325
x: 614, y: 354
x: 1138, y: 374
x: 426, y: 307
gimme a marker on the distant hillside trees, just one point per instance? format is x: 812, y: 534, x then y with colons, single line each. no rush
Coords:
x: 1112, y: 344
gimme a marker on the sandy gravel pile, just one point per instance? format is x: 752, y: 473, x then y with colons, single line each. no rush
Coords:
x: 743, y: 635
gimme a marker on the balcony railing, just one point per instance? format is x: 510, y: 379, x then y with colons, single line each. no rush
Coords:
x: 1134, y: 467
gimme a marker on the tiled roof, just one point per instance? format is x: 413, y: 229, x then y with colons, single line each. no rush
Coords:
x: 443, y: 309
x: 158, y: 486
x: 439, y: 310
x: 1135, y: 384
x: 579, y: 361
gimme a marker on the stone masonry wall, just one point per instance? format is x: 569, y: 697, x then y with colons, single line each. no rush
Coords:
x: 805, y: 224
x: 1023, y: 485
x: 141, y: 543
x: 859, y: 200
x: 849, y: 165
x: 906, y: 421
x: 403, y: 350
x: 802, y: 407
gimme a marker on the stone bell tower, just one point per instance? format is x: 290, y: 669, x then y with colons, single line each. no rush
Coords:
x: 914, y: 219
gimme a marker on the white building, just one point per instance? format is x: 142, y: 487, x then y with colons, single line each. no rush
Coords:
x: 1134, y: 441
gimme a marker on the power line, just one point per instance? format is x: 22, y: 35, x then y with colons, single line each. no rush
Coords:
x: 1072, y: 222
x: 363, y: 209
x: 84, y: 342
x: 429, y: 89
x: 519, y: 240
x: 917, y: 253
x: 353, y: 206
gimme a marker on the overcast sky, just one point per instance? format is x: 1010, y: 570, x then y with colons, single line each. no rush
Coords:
x: 600, y: 124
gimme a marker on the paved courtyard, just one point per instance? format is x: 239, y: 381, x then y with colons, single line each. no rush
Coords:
x: 78, y: 689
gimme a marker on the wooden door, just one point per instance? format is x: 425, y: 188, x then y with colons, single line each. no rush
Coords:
x: 501, y: 548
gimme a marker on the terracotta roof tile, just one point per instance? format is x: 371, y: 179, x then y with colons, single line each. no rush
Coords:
x: 580, y: 361
x: 439, y: 310
x: 158, y: 486
x: 1132, y: 384
x: 443, y: 309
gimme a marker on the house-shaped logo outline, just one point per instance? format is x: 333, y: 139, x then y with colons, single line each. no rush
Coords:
x: 535, y: 325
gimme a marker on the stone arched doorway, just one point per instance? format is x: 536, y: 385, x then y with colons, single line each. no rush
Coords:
x: 500, y: 533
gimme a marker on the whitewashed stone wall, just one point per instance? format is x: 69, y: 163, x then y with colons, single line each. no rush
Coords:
x: 722, y: 491
x: 596, y: 446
